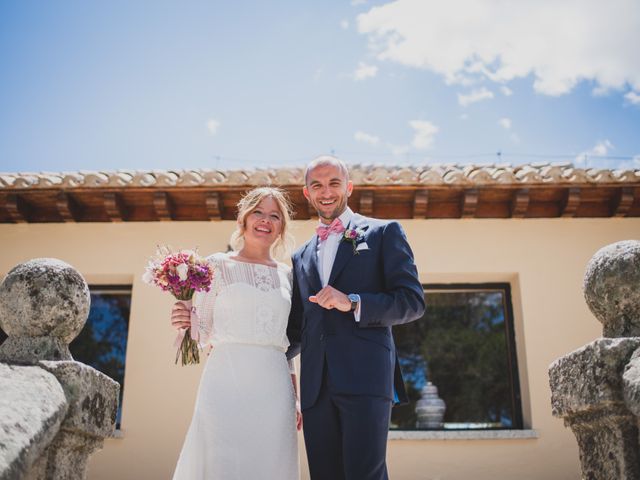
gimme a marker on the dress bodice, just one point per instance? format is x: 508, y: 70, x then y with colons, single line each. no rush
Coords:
x: 248, y: 303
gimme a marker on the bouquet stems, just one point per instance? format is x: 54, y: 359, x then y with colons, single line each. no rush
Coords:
x: 188, y: 348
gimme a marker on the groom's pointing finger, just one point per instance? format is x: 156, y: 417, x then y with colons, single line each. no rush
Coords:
x: 320, y: 301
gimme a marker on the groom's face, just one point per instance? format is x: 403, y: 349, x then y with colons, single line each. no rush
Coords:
x: 328, y: 190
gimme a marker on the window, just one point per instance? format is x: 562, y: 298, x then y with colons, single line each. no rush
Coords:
x: 465, y: 346
x: 102, y: 343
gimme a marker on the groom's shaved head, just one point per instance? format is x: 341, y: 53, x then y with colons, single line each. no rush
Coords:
x: 324, y: 160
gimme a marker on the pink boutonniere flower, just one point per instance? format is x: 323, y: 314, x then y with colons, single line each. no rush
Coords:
x: 353, y: 235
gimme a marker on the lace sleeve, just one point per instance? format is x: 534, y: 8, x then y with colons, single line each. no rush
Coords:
x: 204, y: 303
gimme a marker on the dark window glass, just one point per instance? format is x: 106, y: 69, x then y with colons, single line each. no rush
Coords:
x: 465, y: 346
x: 102, y: 343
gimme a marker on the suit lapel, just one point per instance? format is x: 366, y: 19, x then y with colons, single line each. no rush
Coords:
x: 345, y: 249
x: 310, y: 264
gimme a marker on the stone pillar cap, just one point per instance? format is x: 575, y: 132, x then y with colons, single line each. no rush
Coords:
x: 44, y: 303
x: 612, y: 288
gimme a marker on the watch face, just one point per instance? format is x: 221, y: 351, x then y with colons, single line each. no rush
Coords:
x: 354, y: 301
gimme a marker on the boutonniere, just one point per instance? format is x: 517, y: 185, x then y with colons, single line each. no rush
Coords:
x: 353, y: 235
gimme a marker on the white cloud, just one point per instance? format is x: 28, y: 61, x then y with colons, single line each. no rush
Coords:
x: 633, y: 98
x: 366, y: 138
x: 365, y: 71
x: 212, y: 126
x: 558, y: 43
x: 344, y: 24
x: 474, y: 96
x: 424, y: 134
x: 600, y: 149
x: 423, y: 137
x: 464, y: 116
x: 600, y: 91
x: 506, y: 91
x: 398, y: 150
x: 505, y: 123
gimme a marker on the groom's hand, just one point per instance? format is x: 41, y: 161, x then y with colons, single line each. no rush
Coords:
x: 330, y: 298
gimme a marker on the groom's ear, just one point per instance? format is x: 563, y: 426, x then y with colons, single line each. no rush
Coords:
x: 305, y: 192
x: 349, y: 188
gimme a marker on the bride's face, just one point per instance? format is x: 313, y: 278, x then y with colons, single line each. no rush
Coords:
x: 263, y: 224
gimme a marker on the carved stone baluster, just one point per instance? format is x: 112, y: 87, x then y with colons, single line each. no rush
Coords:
x: 596, y: 389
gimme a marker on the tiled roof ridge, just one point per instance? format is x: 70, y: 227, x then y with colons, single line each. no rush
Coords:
x: 427, y: 175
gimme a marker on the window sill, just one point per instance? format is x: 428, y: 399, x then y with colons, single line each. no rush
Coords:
x: 462, y: 434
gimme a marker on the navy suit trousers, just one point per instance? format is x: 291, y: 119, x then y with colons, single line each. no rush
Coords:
x: 346, y: 435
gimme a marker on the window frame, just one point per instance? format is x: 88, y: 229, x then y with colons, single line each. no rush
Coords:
x: 510, y: 339
x: 116, y: 289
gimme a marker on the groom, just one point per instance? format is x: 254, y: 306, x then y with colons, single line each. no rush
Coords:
x: 351, y: 282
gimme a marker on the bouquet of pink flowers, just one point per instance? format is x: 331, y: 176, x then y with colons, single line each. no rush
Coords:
x: 182, y: 274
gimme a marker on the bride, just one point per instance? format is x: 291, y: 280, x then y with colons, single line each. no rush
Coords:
x: 246, y: 412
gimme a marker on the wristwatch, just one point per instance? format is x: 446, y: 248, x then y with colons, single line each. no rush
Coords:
x: 355, y: 300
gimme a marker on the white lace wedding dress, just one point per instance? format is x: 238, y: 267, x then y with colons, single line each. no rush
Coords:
x: 243, y: 426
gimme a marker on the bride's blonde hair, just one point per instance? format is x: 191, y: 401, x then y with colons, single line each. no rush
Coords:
x: 283, y: 246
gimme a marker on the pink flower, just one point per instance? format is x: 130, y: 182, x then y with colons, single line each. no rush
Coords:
x: 181, y: 274
x: 353, y: 235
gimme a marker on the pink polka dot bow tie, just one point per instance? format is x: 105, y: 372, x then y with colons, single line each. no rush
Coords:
x: 324, y: 231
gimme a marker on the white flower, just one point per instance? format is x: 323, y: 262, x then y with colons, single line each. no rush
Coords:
x: 183, y: 270
x: 147, y: 277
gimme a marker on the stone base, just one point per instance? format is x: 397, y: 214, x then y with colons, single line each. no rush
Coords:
x: 608, y: 441
x: 66, y: 458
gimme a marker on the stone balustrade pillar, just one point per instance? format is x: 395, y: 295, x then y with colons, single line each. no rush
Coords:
x: 54, y: 412
x: 596, y: 389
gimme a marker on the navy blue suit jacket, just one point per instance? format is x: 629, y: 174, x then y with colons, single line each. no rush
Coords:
x: 360, y: 356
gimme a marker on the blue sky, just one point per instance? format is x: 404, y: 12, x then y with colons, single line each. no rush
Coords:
x: 173, y: 85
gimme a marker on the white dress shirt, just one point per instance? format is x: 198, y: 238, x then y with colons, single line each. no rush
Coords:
x: 327, y: 251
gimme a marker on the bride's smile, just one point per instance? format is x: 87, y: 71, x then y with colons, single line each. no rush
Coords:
x: 264, y: 223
